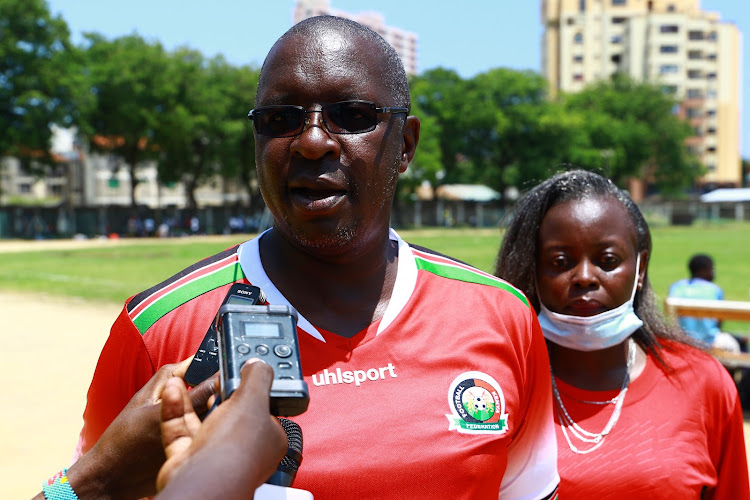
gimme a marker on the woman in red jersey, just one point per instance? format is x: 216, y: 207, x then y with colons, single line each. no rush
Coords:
x: 639, y: 411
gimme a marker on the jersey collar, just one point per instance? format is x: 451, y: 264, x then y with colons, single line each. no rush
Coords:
x: 248, y: 254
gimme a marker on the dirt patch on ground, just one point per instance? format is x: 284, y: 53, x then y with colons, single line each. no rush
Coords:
x: 51, y: 347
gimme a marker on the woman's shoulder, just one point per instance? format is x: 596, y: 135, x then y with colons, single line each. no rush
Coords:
x: 695, y: 366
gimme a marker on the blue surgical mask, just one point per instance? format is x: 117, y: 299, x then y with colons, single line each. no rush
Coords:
x: 592, y: 333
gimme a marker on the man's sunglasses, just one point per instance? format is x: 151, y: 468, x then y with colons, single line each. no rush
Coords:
x: 346, y: 117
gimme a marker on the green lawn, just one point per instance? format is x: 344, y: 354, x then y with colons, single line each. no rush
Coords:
x: 113, y: 273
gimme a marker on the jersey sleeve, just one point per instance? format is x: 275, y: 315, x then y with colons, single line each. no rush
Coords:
x: 124, y: 366
x: 531, y: 472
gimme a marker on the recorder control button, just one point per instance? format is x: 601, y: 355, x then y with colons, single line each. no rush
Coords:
x: 262, y: 349
x: 285, y: 365
x: 243, y: 349
x: 282, y: 350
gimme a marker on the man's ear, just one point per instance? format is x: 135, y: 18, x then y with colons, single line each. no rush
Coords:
x: 409, y: 141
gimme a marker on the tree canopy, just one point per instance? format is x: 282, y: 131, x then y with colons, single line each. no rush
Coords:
x: 133, y: 100
x: 40, y: 78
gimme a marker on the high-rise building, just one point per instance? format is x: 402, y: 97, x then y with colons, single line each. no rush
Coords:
x: 690, y: 52
x: 405, y: 42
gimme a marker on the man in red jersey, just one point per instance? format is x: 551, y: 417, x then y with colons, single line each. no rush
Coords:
x: 428, y: 378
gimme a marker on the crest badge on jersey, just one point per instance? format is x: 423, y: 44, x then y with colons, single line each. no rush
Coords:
x: 477, y: 405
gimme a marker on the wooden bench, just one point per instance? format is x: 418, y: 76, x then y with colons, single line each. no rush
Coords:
x: 719, y: 309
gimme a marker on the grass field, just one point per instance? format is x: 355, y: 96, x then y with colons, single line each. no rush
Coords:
x: 113, y: 272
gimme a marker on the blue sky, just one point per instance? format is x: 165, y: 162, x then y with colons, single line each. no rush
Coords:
x: 469, y: 36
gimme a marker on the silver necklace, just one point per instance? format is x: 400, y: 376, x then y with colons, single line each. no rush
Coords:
x: 570, y: 427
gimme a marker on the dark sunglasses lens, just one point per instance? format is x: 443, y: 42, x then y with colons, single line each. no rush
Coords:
x: 350, y: 117
x: 279, y: 122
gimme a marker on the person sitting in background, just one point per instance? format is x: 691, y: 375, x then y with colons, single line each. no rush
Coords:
x: 700, y: 285
x: 640, y: 412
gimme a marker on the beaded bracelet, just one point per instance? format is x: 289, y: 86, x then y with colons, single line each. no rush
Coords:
x: 58, y: 487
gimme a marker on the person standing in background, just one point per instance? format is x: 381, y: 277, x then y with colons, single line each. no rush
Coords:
x: 640, y: 412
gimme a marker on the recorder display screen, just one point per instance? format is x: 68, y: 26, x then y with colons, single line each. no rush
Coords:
x: 265, y: 330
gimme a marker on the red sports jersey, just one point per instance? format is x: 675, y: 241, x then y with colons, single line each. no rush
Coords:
x: 446, y: 396
x: 679, y: 435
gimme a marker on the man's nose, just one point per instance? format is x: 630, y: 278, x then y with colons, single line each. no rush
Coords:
x: 315, y: 141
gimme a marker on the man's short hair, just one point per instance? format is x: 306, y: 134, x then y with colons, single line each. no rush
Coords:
x: 394, y: 76
x: 700, y: 262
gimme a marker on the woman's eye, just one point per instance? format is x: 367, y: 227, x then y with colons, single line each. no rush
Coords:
x: 559, y: 262
x: 609, y: 262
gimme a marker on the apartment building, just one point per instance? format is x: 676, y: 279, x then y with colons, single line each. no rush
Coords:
x: 690, y: 52
x: 405, y: 42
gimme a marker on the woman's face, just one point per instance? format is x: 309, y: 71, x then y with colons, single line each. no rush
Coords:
x: 587, y: 257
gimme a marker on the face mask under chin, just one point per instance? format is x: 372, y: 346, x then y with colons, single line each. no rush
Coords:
x: 592, y: 333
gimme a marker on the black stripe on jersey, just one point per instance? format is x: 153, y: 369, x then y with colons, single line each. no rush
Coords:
x: 433, y: 252
x: 551, y: 496
x: 201, y: 263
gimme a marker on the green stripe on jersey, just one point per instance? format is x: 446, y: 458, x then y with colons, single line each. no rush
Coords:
x: 185, y: 293
x: 463, y: 274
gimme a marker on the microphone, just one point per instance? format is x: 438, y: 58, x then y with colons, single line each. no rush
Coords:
x: 278, y: 486
x: 287, y: 469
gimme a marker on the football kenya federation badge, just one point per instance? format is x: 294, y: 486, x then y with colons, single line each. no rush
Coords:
x: 477, y: 405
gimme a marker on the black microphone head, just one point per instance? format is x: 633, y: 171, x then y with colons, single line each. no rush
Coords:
x: 287, y: 469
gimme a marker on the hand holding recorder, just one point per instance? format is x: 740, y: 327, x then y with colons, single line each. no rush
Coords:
x: 204, y: 460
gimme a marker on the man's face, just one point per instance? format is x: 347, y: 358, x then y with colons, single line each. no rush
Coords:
x: 329, y: 192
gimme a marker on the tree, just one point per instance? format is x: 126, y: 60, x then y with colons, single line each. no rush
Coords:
x: 128, y: 80
x: 40, y: 82
x: 206, y: 131
x: 497, y: 128
x: 636, y: 129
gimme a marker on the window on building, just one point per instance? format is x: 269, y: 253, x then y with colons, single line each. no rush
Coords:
x: 711, y: 130
x: 693, y: 112
x: 582, y: 5
x: 24, y: 188
x: 670, y: 8
x: 711, y: 76
x: 578, y: 38
x: 669, y: 89
x: 56, y: 189
x: 711, y: 36
x: 619, y: 20
x: 668, y: 49
x: 695, y: 54
x: 615, y: 39
x: 578, y: 77
x: 711, y: 57
x: 669, y: 28
x: 695, y: 35
x: 571, y: 21
x: 619, y: 2
x: 711, y: 113
x: 711, y: 167
x: 616, y: 58
x: 667, y: 69
x: 694, y: 93
x: 578, y: 59
x: 697, y: 131
x: 695, y: 74
x: 711, y: 149
x: 711, y: 94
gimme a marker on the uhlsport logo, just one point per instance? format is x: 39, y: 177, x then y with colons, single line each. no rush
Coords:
x: 477, y: 405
